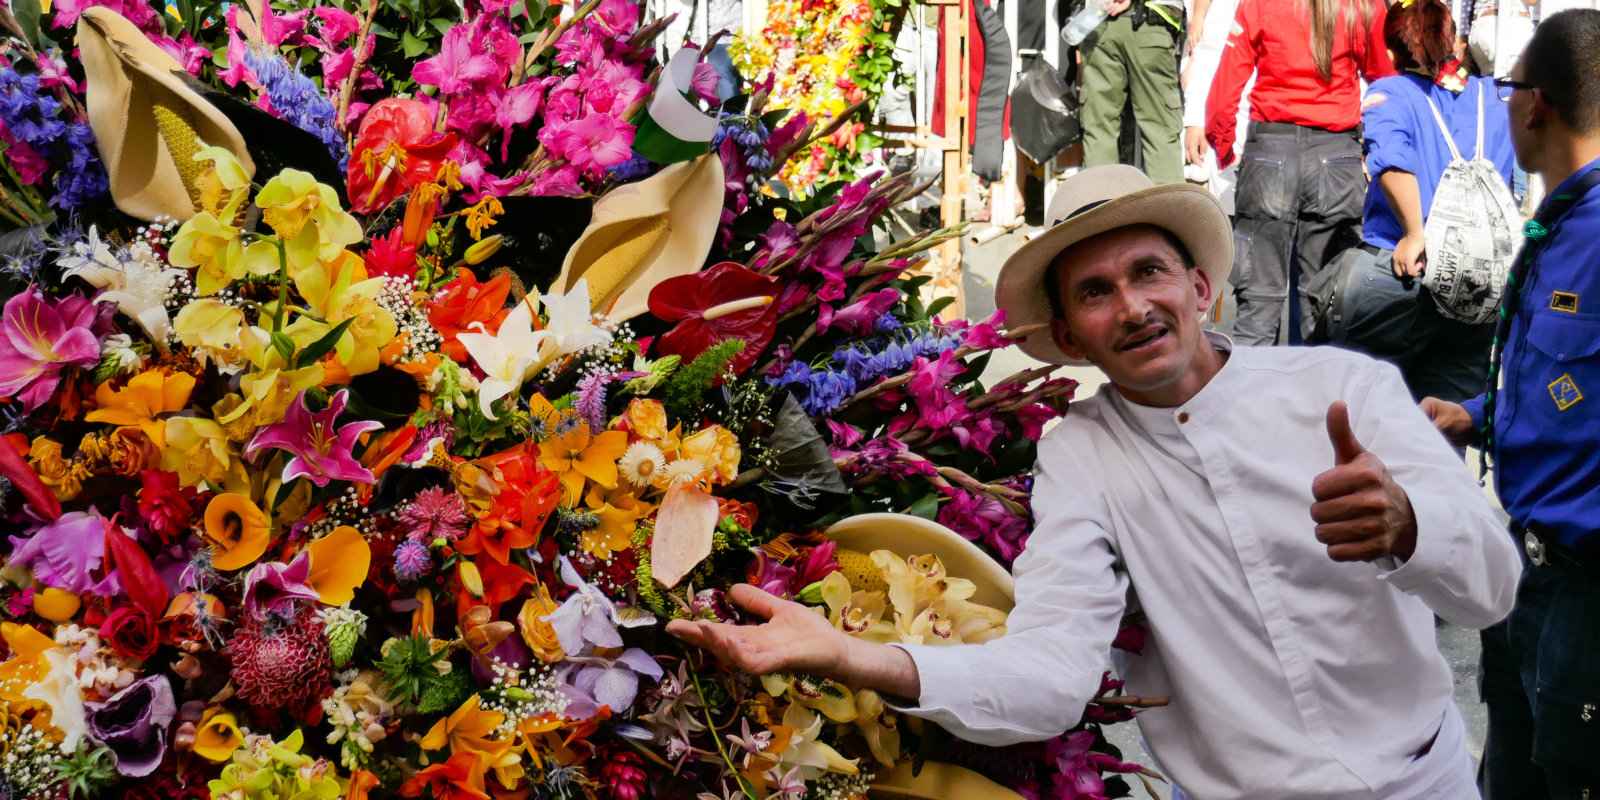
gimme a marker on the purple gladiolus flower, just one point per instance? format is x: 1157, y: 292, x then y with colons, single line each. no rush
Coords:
x: 40, y: 338
x: 133, y: 724
x: 322, y: 449
x: 66, y: 553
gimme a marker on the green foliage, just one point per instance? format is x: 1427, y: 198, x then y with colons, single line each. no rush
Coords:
x: 87, y: 771
x: 409, y: 667
x: 445, y: 692
x: 686, y: 389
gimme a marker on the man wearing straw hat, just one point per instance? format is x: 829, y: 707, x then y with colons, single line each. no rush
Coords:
x: 1286, y: 518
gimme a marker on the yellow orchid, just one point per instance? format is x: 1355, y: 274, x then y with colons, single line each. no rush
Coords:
x: 717, y: 448
x: 213, y: 248
x: 577, y: 457
x: 150, y: 394
x: 213, y: 329
x: 469, y: 729
x: 307, y: 216
x: 336, y: 290
x: 932, y: 608
x: 619, y: 515
x: 223, y: 182
x: 835, y: 700
x: 804, y: 751
x: 217, y: 736
x: 857, y: 613
x: 877, y: 725
x: 199, y: 451
x: 263, y: 399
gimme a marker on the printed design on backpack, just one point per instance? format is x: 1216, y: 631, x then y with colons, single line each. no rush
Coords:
x: 1472, y: 232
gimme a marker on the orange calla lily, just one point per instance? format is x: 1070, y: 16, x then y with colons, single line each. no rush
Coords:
x: 150, y: 394
x: 339, y: 563
x: 237, y: 529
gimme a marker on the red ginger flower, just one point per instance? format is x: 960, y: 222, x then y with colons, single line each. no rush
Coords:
x: 278, y: 664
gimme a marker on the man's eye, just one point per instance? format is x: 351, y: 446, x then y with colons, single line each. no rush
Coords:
x: 1149, y: 270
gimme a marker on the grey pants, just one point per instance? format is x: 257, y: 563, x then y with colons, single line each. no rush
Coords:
x: 1363, y: 306
x: 1298, y: 205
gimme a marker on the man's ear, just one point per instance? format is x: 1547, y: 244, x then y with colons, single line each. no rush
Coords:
x: 1205, y: 293
x: 1063, y: 339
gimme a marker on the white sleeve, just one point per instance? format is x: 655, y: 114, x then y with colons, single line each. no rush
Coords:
x: 1034, y: 682
x: 1204, y: 60
x: 1465, y: 566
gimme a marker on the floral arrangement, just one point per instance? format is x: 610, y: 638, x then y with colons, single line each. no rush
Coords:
x: 329, y: 484
x: 829, y: 59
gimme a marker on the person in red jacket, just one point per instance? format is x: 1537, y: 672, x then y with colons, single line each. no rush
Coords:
x: 1301, y: 186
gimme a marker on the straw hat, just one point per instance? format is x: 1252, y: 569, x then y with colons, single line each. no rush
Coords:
x: 643, y: 233
x: 907, y: 535
x: 1095, y: 201
x: 147, y: 121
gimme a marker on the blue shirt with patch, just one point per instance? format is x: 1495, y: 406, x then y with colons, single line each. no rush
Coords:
x: 1547, y: 417
x: 1399, y: 132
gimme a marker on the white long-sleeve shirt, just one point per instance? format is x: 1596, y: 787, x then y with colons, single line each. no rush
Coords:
x: 1291, y: 675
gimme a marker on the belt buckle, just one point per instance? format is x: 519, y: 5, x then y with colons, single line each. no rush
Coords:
x: 1535, y: 549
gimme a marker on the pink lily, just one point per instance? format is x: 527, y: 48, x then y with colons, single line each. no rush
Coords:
x: 39, y: 339
x: 322, y: 449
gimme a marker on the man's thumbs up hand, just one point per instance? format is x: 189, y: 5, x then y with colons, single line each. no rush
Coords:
x: 1361, y: 513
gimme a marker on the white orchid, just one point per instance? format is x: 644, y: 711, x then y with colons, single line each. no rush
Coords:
x: 517, y: 352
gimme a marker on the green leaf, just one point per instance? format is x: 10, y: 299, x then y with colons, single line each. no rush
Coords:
x: 27, y: 14
x: 939, y: 305
x: 412, y: 46
x: 319, y: 348
x: 653, y: 142
x: 926, y: 507
x: 284, y: 345
x: 441, y: 24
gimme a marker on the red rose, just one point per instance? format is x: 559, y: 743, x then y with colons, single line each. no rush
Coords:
x: 131, y: 632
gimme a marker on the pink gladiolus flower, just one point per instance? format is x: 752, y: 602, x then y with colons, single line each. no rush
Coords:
x: 40, y: 338
x: 321, y: 448
x: 185, y: 51
x: 237, y: 70
x: 336, y: 25
x: 704, y: 82
x: 986, y: 334
x: 560, y: 182
x: 515, y: 107
x: 458, y: 67
x: 283, y: 29
x: 30, y: 166
x: 591, y: 144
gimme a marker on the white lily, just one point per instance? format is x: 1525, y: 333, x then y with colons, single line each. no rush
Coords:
x: 136, y: 281
x: 508, y: 357
x: 570, y: 323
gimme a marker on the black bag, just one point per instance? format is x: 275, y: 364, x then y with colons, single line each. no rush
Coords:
x: 1044, y: 112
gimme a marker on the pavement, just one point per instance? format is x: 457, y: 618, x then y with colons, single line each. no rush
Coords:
x: 981, y: 263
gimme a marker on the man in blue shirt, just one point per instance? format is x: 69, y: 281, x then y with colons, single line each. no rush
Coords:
x: 1541, y: 671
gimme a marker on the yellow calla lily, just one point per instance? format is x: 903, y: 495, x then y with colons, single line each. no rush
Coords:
x: 339, y: 564
x: 150, y: 394
x: 218, y: 736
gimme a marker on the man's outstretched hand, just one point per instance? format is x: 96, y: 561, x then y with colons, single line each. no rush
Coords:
x: 794, y: 638
x: 1361, y: 513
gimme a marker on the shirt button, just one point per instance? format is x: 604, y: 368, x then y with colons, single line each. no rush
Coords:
x: 1183, y: 416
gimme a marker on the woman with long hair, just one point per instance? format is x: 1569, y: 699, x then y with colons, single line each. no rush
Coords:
x: 1375, y: 304
x: 1298, y: 203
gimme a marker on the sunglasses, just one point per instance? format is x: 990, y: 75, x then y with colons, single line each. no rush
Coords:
x: 1513, y: 85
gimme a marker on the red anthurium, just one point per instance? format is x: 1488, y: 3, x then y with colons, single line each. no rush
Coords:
x: 727, y: 301
x: 395, y: 149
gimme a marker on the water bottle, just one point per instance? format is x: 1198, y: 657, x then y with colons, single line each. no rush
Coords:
x: 1084, y: 22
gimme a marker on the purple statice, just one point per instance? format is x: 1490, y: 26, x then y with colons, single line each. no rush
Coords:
x: 435, y: 513
x: 32, y: 116
x: 297, y: 99
x: 412, y: 560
